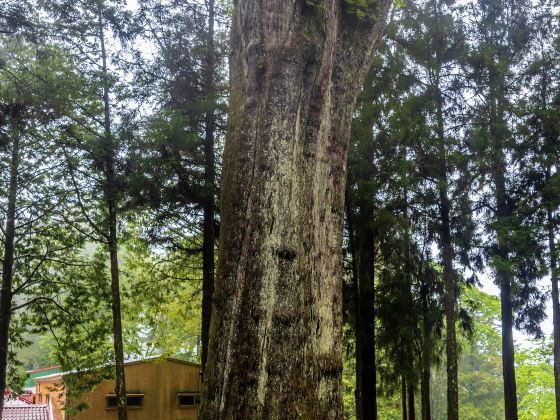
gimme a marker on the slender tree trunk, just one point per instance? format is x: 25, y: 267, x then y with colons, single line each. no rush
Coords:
x: 209, y: 189
x: 358, y: 392
x: 553, y: 254
x: 403, y: 399
x: 425, y: 362
x: 503, y: 274
x: 407, y: 355
x: 508, y: 359
x: 363, y: 256
x: 111, y: 195
x: 447, y: 257
x: 411, y: 405
x: 354, y: 308
x: 7, y: 270
x: 365, y: 319
x: 555, y: 308
x: 425, y: 393
x: 503, y: 278
x: 120, y: 389
x: 275, y: 337
x: 450, y: 329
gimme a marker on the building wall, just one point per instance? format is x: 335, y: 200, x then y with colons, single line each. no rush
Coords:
x: 159, y: 381
x: 51, y: 392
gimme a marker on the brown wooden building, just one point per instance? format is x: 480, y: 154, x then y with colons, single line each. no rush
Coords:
x: 157, y: 389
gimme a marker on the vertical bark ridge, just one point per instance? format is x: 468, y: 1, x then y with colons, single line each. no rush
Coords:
x: 275, y: 330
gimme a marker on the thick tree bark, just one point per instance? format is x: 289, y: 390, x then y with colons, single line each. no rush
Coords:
x: 111, y: 197
x: 275, y: 332
x: 208, y: 241
x: 7, y: 270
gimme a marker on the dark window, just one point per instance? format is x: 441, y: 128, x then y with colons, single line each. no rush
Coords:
x: 111, y: 402
x: 132, y: 401
x: 188, y: 400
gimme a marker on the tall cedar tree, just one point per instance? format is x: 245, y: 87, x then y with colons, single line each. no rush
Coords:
x: 83, y: 28
x: 208, y: 202
x: 33, y: 193
x: 179, y: 150
x: 360, y: 215
x: 499, y: 36
x: 296, y: 70
x: 543, y: 149
x: 380, y: 171
x: 434, y: 42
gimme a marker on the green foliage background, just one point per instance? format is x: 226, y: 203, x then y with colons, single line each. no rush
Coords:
x: 480, y: 373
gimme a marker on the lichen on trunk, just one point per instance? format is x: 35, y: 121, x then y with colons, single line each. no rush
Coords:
x: 276, y: 322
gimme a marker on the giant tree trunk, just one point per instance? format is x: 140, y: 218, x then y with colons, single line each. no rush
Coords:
x: 209, y: 189
x: 7, y: 270
x: 275, y: 332
x: 111, y: 197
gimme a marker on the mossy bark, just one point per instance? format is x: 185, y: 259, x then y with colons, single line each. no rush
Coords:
x: 275, y: 338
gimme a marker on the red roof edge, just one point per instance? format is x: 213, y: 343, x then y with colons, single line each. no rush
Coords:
x: 25, y: 400
x: 45, y: 368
